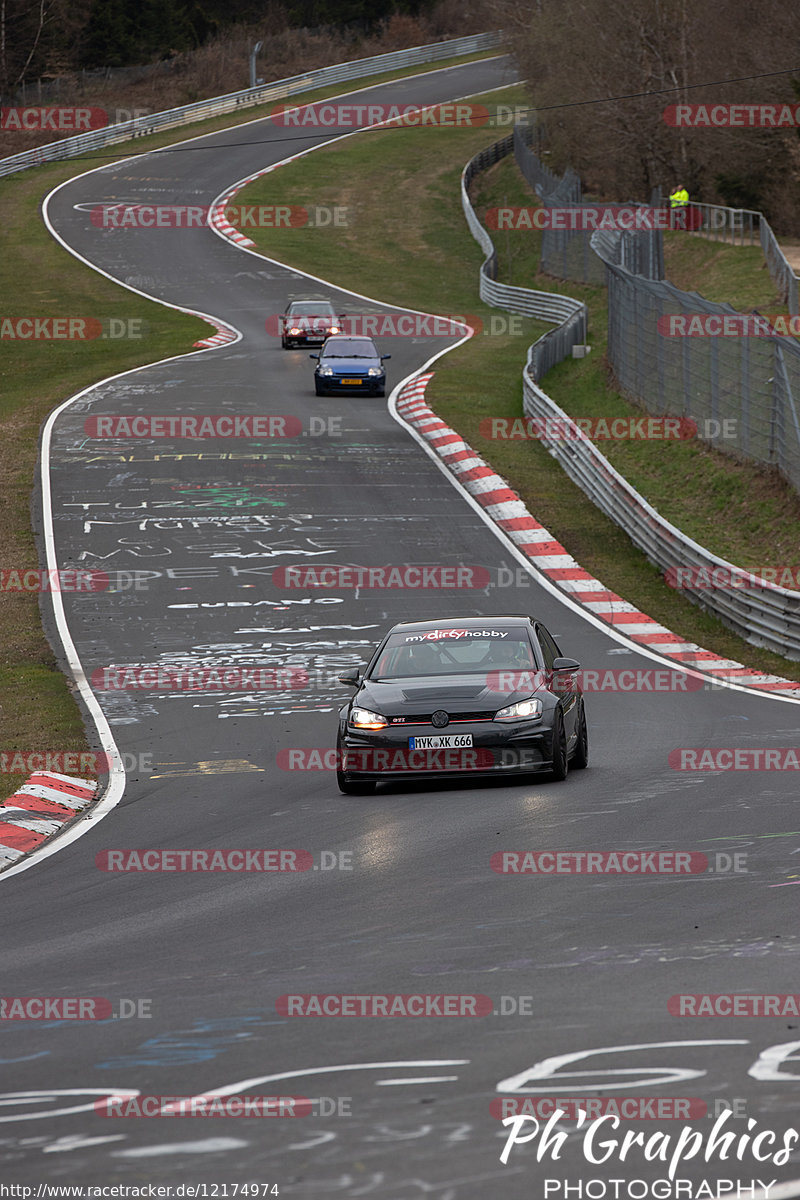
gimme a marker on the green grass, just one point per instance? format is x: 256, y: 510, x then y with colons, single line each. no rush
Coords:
x: 38, y: 277
x: 415, y: 249
x: 720, y: 272
x: 734, y: 509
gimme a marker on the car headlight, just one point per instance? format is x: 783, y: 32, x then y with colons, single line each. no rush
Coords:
x: 334, y: 329
x: 326, y: 370
x: 295, y: 330
x: 375, y: 371
x: 362, y: 718
x: 523, y: 710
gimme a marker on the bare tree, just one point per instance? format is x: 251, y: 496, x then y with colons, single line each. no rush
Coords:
x: 601, y: 74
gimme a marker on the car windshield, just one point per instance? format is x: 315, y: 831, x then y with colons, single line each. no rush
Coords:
x: 349, y: 348
x: 455, y: 651
x: 311, y: 308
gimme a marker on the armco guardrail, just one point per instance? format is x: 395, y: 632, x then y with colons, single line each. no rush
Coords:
x: 763, y: 614
x: 779, y: 268
x: 570, y: 314
x: 737, y: 226
x: 218, y: 105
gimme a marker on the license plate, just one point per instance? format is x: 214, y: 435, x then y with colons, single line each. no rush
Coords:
x: 440, y: 741
x: 356, y: 381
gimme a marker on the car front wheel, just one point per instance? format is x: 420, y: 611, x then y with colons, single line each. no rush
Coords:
x: 580, y: 758
x: 560, y: 761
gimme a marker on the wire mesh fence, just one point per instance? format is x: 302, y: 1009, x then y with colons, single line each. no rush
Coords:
x: 567, y: 253
x: 738, y: 379
x: 682, y: 355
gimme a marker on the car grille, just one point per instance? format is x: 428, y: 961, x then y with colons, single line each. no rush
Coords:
x: 483, y: 714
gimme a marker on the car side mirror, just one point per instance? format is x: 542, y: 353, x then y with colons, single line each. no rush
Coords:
x: 566, y: 664
x: 385, y: 356
x: 351, y: 678
x: 314, y: 356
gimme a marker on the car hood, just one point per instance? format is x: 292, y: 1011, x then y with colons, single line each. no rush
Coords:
x: 454, y: 693
x: 350, y: 366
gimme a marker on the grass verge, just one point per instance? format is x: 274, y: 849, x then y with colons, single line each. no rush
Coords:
x: 38, y: 278
x: 431, y: 262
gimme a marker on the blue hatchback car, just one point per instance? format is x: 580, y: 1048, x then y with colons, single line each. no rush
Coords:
x: 350, y: 364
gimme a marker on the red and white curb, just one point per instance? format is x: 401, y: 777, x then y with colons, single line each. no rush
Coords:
x: 220, y: 338
x: 508, y: 511
x: 223, y: 335
x: 218, y: 216
x: 218, y: 220
x: 224, y: 227
x: 38, y: 810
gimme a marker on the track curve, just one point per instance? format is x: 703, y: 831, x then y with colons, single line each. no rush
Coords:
x: 208, y: 956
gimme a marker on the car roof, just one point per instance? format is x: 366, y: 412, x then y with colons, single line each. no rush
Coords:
x: 463, y: 622
x: 338, y: 338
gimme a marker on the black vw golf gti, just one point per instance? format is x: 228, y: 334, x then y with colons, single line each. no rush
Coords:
x: 466, y: 696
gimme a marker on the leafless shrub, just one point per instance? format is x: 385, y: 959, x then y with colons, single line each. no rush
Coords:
x: 606, y: 118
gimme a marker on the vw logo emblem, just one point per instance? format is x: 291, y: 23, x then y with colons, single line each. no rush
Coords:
x: 440, y: 718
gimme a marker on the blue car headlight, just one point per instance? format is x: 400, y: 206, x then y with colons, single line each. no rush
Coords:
x: 326, y: 370
x: 375, y: 371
